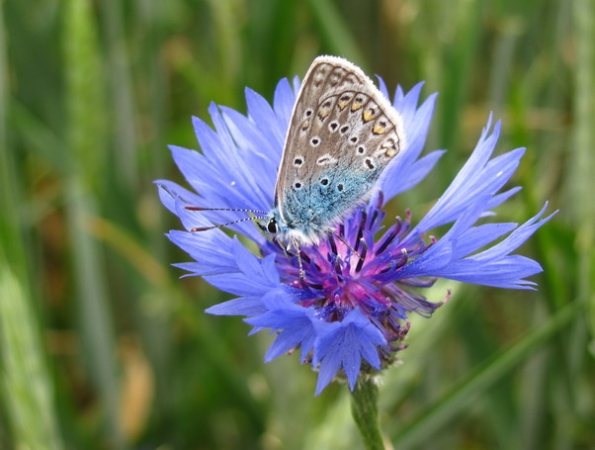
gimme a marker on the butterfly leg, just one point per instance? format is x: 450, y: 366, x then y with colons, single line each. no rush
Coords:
x: 295, y: 245
x: 301, y: 266
x: 290, y: 250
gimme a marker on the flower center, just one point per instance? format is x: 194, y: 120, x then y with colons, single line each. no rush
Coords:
x: 358, y: 265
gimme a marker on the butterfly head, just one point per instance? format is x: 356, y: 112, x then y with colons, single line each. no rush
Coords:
x: 270, y: 224
x: 289, y: 231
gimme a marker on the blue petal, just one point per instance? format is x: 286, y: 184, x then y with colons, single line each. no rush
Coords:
x: 343, y: 344
x: 199, y: 172
x: 227, y: 144
x: 382, y: 87
x: 406, y: 104
x: 169, y: 191
x: 400, y: 175
x: 517, y: 237
x: 477, y: 237
x: 507, y: 272
x: 212, y: 255
x: 203, y: 174
x: 253, y: 276
x: 295, y: 325
x: 255, y: 160
x: 442, y: 252
x: 416, y: 173
x: 226, y: 189
x: 478, y: 177
x: 498, y: 199
x: 228, y: 173
x: 448, y: 258
x: 284, y: 100
x: 244, y: 306
x: 260, y: 111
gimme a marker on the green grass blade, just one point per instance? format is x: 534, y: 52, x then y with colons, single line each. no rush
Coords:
x: 337, y: 35
x: 481, y: 379
x: 27, y: 388
x: 583, y: 167
x: 87, y: 149
x: 122, y: 120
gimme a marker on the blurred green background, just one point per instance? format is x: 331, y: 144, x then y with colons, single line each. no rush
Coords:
x: 102, y: 346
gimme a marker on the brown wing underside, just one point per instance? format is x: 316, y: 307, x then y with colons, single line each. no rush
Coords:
x: 341, y: 121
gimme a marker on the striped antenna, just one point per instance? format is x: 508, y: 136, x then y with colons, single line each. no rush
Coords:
x: 200, y: 208
x: 244, y: 219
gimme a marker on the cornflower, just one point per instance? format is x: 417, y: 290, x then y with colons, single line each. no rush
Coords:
x: 344, y: 303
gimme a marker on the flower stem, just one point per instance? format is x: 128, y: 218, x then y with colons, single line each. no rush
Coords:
x: 364, y: 407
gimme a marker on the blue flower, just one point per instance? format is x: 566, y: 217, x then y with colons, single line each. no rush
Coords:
x: 348, y: 314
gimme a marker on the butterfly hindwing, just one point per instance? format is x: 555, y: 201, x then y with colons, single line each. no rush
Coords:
x: 343, y: 133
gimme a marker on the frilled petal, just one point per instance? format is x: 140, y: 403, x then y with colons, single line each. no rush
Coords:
x: 239, y: 160
x: 284, y: 100
x: 235, y: 270
x: 294, y: 324
x: 169, y: 192
x: 210, y: 260
x: 518, y: 237
x: 211, y: 249
x: 451, y: 256
x: 342, y: 345
x: 253, y: 276
x: 407, y: 169
x: 479, y: 177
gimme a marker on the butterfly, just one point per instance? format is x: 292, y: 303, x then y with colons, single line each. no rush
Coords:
x: 343, y: 134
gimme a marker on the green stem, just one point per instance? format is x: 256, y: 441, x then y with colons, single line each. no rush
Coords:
x: 364, y: 407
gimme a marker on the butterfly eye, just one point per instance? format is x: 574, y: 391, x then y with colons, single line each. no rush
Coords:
x: 272, y: 226
x: 324, y: 181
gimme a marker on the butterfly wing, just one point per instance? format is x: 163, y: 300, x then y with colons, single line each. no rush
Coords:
x: 343, y: 133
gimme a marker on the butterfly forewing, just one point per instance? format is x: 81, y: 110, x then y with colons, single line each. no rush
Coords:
x: 343, y: 133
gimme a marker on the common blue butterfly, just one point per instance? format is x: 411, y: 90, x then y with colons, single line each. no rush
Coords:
x: 342, y: 135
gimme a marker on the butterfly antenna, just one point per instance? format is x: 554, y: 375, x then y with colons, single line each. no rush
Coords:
x: 212, y: 227
x: 200, y: 208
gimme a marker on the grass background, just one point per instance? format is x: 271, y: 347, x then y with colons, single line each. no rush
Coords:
x: 102, y: 346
